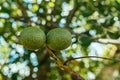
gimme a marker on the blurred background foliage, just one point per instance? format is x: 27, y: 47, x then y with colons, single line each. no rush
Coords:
x: 87, y: 20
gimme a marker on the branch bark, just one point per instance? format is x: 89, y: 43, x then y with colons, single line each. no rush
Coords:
x: 66, y: 68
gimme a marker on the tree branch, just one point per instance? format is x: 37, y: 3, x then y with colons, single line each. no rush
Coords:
x: 44, y: 58
x: 51, y: 14
x: 71, y: 14
x: 66, y: 68
x: 90, y: 57
x: 109, y: 41
x: 22, y: 8
x: 21, y: 18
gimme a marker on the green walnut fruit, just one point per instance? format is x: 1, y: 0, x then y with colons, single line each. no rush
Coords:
x: 32, y: 38
x: 58, y: 39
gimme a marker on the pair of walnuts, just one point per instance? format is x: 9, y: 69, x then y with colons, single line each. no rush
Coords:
x: 33, y: 38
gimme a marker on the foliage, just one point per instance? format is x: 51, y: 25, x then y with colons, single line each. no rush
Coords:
x: 95, y: 28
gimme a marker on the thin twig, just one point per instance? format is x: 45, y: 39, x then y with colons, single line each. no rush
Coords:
x: 66, y: 68
x: 90, y: 57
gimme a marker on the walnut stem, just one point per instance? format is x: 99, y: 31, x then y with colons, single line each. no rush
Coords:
x: 66, y: 68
